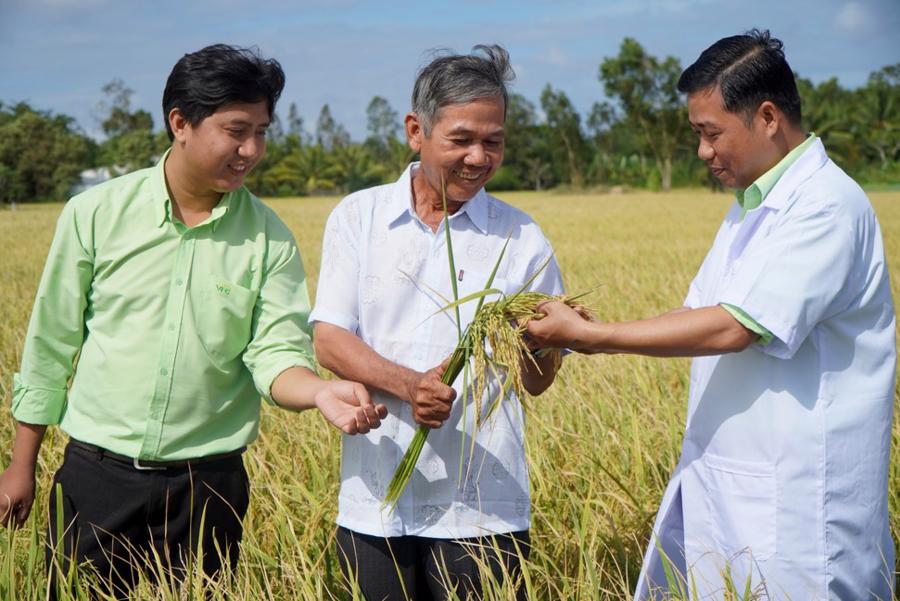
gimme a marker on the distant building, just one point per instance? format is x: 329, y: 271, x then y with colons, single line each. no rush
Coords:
x: 92, y: 177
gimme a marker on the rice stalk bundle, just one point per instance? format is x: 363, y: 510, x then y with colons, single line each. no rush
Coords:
x: 499, y: 325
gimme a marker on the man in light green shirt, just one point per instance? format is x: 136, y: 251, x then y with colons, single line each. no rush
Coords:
x: 184, y: 300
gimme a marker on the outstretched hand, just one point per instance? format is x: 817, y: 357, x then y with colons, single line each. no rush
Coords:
x: 349, y: 407
x: 560, y: 327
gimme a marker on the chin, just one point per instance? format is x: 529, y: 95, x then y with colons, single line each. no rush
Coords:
x: 463, y: 193
x: 228, y: 186
x: 459, y: 197
x: 728, y: 182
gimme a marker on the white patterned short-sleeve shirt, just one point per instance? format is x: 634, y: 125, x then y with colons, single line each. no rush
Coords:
x: 385, y: 277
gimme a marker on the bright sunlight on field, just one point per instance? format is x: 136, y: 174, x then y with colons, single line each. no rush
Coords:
x: 601, y: 442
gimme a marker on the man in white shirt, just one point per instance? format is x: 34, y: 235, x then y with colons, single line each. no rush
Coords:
x: 782, y: 481
x: 385, y: 276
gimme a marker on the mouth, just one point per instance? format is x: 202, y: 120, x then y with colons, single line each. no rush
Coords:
x: 717, y: 171
x: 239, y: 168
x: 469, y: 175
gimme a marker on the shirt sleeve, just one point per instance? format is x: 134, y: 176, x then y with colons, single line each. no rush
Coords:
x: 56, y: 329
x: 337, y: 294
x: 280, y: 336
x: 765, y: 336
x: 549, y: 280
x: 800, y: 276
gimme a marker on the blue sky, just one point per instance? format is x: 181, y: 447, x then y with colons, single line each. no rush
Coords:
x: 57, y: 54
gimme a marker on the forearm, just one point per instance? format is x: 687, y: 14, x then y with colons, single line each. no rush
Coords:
x: 26, y: 446
x: 681, y: 333
x: 295, y: 388
x: 538, y: 375
x: 343, y: 353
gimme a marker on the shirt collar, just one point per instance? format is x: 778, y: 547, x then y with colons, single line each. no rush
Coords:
x: 160, y: 191
x: 753, y: 196
x: 401, y: 203
x: 164, y: 203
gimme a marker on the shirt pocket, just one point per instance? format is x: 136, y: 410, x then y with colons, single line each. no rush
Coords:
x: 225, y: 317
x: 741, y: 498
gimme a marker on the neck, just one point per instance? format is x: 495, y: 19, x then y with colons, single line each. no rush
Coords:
x: 429, y: 203
x: 784, y: 141
x: 789, y: 139
x: 184, y: 191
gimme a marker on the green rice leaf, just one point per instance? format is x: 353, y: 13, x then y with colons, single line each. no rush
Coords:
x: 466, y: 299
x: 490, y: 280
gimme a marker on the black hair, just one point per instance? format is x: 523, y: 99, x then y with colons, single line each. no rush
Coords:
x: 203, y: 81
x: 748, y: 70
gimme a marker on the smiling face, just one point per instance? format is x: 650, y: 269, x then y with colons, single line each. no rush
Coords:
x: 465, y: 145
x: 220, y: 151
x: 736, y: 152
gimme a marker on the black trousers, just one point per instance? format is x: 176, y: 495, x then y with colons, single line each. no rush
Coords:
x: 122, y: 520
x: 413, y: 568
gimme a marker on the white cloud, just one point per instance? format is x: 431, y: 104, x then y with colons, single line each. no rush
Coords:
x: 854, y: 18
x: 556, y: 57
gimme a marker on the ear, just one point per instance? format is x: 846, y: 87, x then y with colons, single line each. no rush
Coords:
x: 769, y: 117
x: 178, y: 124
x: 414, y: 131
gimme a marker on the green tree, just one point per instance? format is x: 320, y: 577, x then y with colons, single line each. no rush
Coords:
x: 41, y: 155
x: 329, y: 133
x: 130, y: 143
x: 527, y: 161
x: 295, y: 135
x: 398, y: 156
x: 353, y: 168
x: 275, y: 131
x: 382, y: 124
x: 827, y: 111
x: 564, y: 135
x: 878, y: 115
x: 304, y: 171
x: 646, y: 90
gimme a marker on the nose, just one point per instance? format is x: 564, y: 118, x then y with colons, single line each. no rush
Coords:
x: 476, y: 154
x: 251, y: 147
x: 705, y: 150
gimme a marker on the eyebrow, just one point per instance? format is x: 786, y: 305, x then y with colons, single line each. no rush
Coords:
x: 702, y: 124
x: 246, y: 123
x: 462, y: 130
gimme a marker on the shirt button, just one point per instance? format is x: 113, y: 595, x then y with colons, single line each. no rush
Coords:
x: 164, y: 371
x: 171, y: 327
x: 179, y: 282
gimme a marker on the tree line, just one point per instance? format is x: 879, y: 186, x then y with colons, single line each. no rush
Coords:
x: 638, y: 138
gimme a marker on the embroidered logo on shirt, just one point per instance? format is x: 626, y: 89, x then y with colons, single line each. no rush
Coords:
x: 223, y: 288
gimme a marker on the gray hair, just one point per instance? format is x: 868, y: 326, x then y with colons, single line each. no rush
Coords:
x: 461, y: 79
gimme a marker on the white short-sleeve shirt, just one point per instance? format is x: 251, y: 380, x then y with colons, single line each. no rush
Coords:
x: 385, y: 277
x: 783, y: 475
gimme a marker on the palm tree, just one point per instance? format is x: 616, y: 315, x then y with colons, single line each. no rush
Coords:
x: 306, y: 170
x: 354, y: 168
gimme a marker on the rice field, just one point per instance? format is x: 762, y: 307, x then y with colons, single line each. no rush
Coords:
x: 601, y: 443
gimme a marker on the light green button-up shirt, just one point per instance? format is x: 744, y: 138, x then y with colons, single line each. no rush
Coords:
x: 178, y: 331
x: 751, y: 198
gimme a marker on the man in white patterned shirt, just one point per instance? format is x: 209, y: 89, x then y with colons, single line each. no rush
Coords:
x: 378, y: 321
